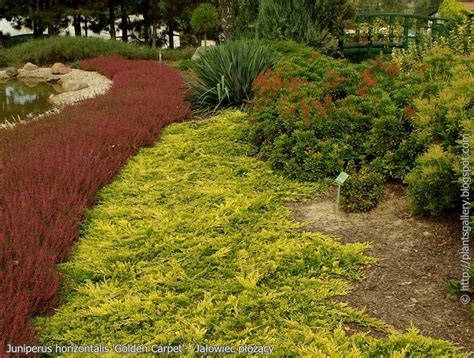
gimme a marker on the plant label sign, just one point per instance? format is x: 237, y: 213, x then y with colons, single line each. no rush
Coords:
x: 342, y: 177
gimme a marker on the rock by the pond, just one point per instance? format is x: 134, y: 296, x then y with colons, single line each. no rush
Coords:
x: 71, y: 85
x: 30, y: 67
x: 60, y: 69
x: 11, y: 71
x: 30, y: 82
x: 200, y: 51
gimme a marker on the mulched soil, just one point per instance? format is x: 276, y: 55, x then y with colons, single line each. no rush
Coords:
x: 417, y: 257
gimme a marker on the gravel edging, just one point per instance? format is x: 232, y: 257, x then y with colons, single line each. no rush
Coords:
x: 97, y: 85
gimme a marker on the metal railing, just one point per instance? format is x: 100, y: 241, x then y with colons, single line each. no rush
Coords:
x: 10, y: 41
x: 372, y: 32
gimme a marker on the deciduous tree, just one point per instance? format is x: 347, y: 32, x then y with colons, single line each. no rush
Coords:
x: 205, y: 18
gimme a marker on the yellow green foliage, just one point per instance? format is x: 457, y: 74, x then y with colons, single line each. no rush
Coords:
x: 453, y: 9
x: 192, y: 244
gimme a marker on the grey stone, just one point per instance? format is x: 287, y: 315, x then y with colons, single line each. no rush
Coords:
x: 11, y: 71
x: 30, y: 67
x: 200, y: 51
x: 71, y: 85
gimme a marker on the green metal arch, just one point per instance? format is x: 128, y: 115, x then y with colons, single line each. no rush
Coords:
x: 411, y: 24
x: 402, y: 15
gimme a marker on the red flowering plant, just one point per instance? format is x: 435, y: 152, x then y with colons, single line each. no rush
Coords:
x: 312, y: 116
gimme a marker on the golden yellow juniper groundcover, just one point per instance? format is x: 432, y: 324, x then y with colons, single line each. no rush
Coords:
x: 192, y: 244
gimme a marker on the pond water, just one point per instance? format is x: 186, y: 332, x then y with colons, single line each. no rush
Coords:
x: 24, y: 99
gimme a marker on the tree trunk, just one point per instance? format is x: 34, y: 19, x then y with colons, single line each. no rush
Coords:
x: 50, y: 25
x: 112, y: 19
x: 146, y: 31
x: 37, y: 23
x: 124, y: 22
x: 77, y: 25
x: 41, y: 24
x: 170, y: 34
x: 154, y: 24
x: 227, y: 11
x: 154, y: 34
x: 1, y: 40
x: 35, y: 28
x: 146, y: 22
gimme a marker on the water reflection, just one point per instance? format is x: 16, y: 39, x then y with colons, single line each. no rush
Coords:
x: 24, y: 99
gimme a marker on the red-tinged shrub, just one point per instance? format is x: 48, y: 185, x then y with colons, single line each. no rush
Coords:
x: 51, y: 170
x: 367, y: 79
x: 393, y: 70
x: 409, y: 112
x: 325, y: 113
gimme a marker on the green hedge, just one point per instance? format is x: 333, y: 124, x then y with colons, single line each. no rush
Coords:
x: 70, y: 49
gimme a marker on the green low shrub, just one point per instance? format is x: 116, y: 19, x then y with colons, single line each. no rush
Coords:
x: 458, y: 40
x: 288, y: 48
x: 311, y: 116
x: 433, y: 186
x: 178, y: 54
x: 184, y: 65
x: 304, y: 21
x: 225, y: 73
x: 362, y: 191
x: 441, y: 123
x: 4, y: 59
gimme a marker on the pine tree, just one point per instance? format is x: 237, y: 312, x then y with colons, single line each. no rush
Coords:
x: 304, y: 21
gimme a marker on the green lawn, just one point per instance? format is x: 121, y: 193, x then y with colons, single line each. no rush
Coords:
x: 192, y: 244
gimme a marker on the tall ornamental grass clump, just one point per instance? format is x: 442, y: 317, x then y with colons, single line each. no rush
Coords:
x: 51, y: 170
x: 225, y: 74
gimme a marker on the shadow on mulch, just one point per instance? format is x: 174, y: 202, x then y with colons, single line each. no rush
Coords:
x: 417, y: 257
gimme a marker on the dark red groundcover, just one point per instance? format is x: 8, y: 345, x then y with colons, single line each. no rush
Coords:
x: 51, y: 170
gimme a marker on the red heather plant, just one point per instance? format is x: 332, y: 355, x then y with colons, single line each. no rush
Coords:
x: 51, y: 170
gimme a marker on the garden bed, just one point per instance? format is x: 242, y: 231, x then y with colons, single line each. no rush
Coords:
x: 192, y: 244
x: 407, y: 286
